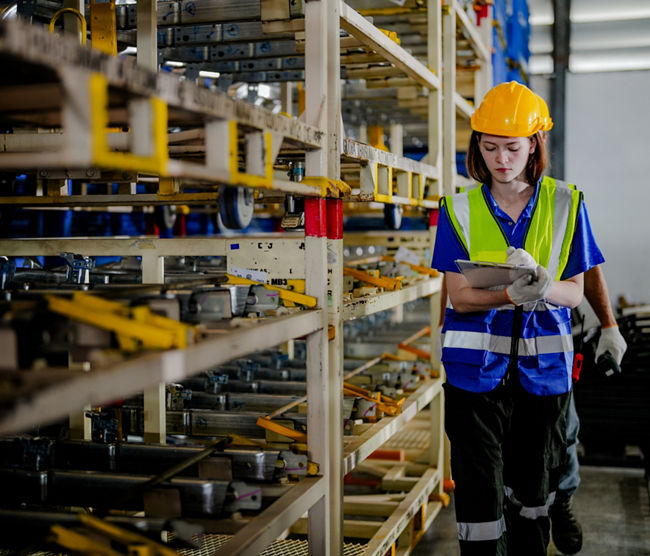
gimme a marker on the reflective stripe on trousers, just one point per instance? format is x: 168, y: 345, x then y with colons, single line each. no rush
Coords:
x: 530, y: 512
x: 485, y: 531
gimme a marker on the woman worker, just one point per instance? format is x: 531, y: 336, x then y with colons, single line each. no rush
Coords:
x: 508, y: 352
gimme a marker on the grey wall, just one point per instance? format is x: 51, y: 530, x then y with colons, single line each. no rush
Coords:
x: 608, y: 157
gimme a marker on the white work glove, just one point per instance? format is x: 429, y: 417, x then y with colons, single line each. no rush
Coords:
x: 520, y: 257
x: 523, y: 290
x: 611, y: 340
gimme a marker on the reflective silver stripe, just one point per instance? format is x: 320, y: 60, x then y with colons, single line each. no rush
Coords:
x: 531, y: 512
x: 501, y: 344
x: 466, y: 340
x: 482, y: 531
x: 461, y: 210
x: 550, y: 344
x: 562, y: 211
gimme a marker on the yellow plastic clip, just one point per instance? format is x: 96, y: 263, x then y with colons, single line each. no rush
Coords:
x: 285, y: 295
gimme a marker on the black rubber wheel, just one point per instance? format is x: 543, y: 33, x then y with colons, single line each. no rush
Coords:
x: 236, y: 207
x: 393, y: 216
x: 165, y: 217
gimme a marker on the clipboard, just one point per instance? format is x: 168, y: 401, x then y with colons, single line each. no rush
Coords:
x: 482, y: 274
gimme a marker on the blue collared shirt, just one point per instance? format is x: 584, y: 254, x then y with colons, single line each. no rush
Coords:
x: 584, y: 253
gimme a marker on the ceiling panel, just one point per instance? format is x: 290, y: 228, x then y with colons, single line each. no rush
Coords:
x: 606, y: 35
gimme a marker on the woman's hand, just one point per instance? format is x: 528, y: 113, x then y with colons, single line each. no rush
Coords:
x: 520, y: 257
x: 524, y: 290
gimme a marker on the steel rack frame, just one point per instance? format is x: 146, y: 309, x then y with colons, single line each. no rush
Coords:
x: 227, y: 142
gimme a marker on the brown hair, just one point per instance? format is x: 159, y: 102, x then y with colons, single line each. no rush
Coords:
x: 478, y: 171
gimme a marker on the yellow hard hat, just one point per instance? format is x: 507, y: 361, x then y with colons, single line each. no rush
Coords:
x: 509, y: 109
x: 547, y: 122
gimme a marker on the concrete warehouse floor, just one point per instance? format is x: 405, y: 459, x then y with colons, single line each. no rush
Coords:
x: 611, y: 503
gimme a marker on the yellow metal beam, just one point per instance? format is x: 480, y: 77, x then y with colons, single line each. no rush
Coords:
x: 382, y: 282
x: 131, y: 324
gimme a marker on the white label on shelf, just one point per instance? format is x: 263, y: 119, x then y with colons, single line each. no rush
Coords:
x: 405, y: 255
x: 257, y: 275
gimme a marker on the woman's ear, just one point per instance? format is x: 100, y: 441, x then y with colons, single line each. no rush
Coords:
x: 533, y: 144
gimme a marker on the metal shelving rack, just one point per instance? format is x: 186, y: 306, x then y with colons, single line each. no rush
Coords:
x: 82, y: 91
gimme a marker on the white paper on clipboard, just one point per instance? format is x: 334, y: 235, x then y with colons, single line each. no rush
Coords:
x: 481, y: 274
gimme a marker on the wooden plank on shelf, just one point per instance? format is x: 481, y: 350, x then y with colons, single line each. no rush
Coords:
x: 392, y: 528
x: 471, y: 32
x: 355, y: 24
x: 352, y: 528
x: 260, y: 532
x: 360, y: 447
x: 135, y: 375
x: 368, y: 305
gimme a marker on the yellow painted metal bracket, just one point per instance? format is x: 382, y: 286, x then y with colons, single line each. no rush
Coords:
x: 133, y: 541
x: 417, y: 268
x: 244, y: 178
x: 267, y: 424
x: 328, y: 186
x: 103, y: 156
x: 382, y: 282
x: 388, y: 405
x: 103, y: 27
x: 285, y: 295
x: 421, y: 353
x: 79, y: 543
x: 132, y: 325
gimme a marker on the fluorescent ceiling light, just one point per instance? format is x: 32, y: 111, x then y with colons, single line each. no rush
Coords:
x: 595, y: 61
x: 540, y: 65
x: 210, y: 74
x: 615, y: 12
x: 610, y: 60
x: 173, y: 64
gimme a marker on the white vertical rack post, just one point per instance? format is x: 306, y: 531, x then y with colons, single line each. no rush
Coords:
x: 434, y: 60
x: 153, y: 271
x: 323, y: 383
x: 448, y: 97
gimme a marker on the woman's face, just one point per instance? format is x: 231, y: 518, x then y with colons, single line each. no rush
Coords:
x: 506, y: 157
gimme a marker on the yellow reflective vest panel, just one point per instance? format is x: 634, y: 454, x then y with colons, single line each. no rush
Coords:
x: 477, y: 347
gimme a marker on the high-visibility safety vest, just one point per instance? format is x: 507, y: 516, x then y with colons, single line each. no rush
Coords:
x: 477, y: 347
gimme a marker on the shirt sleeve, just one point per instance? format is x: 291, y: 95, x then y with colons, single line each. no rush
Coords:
x: 447, y: 247
x: 585, y: 253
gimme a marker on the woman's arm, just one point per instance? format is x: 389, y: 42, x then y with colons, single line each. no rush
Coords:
x: 466, y: 299
x: 567, y: 292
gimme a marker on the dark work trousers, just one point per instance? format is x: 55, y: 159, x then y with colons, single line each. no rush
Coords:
x: 507, y: 449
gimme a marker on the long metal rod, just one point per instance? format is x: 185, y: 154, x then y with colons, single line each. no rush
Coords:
x: 561, y: 51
